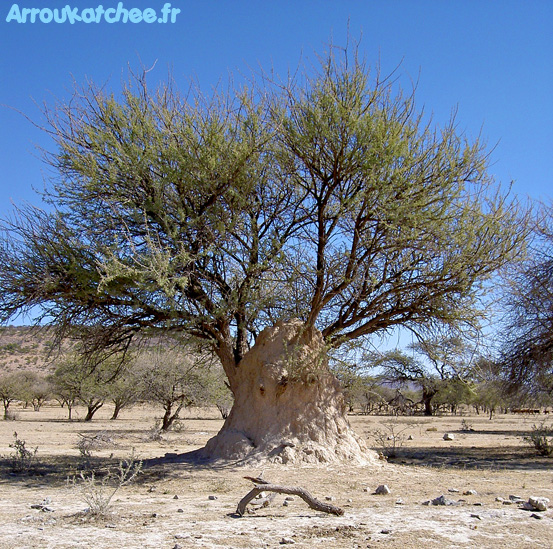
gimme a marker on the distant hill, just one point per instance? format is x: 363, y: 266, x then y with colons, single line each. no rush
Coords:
x: 27, y: 348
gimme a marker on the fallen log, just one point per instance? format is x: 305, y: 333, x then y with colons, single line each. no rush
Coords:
x: 264, y: 486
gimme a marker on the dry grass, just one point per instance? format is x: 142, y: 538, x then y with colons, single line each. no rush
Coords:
x: 493, y: 460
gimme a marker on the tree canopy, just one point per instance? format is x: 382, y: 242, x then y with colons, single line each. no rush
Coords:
x: 327, y: 198
x: 527, y: 351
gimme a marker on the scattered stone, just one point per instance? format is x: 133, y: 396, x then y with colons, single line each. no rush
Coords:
x: 154, y: 515
x: 151, y: 489
x: 175, y: 496
x: 516, y: 499
x: 442, y: 500
x: 180, y: 510
x: 385, y: 531
x: 212, y: 498
x: 507, y: 502
x: 453, y: 490
x: 44, y: 506
x: 289, y: 498
x: 427, y: 502
x: 500, y: 500
x: 181, y: 536
x: 287, y: 541
x: 330, y: 498
x: 449, y: 436
x: 285, y: 503
x: 382, y: 490
x: 539, y: 503
x: 478, y: 504
x: 473, y: 515
x: 400, y: 502
x: 366, y: 489
x: 539, y: 517
x: 410, y: 437
x: 470, y: 493
x: 177, y: 546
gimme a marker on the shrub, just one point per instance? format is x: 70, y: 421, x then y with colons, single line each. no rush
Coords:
x: 97, y: 494
x: 22, y: 458
x: 541, y: 438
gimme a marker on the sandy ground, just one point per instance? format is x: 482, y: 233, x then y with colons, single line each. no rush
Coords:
x: 172, y: 504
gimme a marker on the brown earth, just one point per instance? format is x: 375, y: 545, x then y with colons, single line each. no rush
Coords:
x: 169, y: 504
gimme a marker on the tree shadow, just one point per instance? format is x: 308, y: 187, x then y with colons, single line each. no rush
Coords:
x: 498, y: 458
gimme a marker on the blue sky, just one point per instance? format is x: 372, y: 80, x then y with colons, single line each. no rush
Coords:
x: 493, y: 60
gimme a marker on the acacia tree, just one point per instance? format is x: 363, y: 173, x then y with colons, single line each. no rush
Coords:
x: 274, y: 222
x: 174, y: 379
x: 527, y: 352
x: 436, y: 365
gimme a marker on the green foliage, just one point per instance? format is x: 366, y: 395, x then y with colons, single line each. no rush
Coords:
x: 541, y: 439
x: 22, y: 459
x: 329, y: 199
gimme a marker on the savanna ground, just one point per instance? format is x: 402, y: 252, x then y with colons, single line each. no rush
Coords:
x: 177, y: 503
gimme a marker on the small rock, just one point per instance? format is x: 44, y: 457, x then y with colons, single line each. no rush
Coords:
x: 285, y: 503
x: 427, y: 502
x: 442, y: 500
x: 539, y: 517
x: 499, y: 499
x: 516, y: 499
x: 289, y: 498
x: 154, y: 515
x: 181, y: 536
x: 212, y: 498
x: 385, y: 531
x: 507, y: 502
x: 180, y: 510
x: 476, y: 516
x: 539, y: 503
x: 175, y: 496
x: 400, y: 502
x: 177, y: 546
x: 330, y: 498
x: 382, y: 490
x: 287, y: 541
x: 453, y: 490
x: 527, y: 507
x: 449, y: 436
x: 410, y: 437
x: 470, y: 493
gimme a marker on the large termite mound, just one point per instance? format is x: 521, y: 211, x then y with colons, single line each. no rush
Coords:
x: 288, y: 406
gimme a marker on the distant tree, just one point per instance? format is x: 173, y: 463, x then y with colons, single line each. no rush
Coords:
x: 175, y: 378
x: 34, y: 388
x: 79, y: 379
x: 298, y: 215
x: 527, y: 354
x: 125, y: 390
x: 435, y: 365
x: 9, y: 390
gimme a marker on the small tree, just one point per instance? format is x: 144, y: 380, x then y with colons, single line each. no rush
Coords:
x: 441, y: 363
x: 173, y: 377
x: 9, y: 390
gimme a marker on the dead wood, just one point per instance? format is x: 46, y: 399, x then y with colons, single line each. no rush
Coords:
x: 264, y: 486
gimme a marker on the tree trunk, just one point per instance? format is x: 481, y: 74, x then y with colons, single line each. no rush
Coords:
x: 92, y: 408
x: 427, y: 396
x: 288, y: 406
x: 116, y: 410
